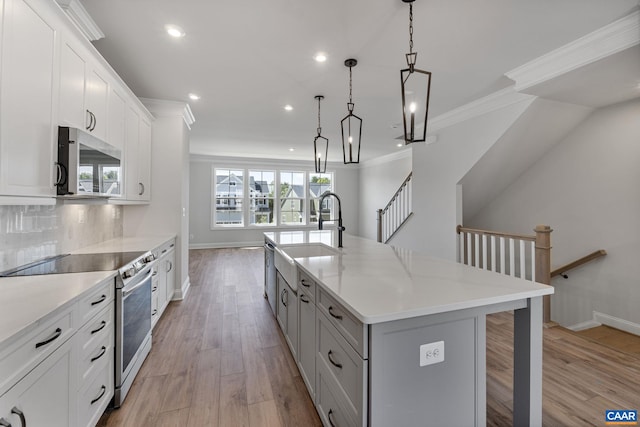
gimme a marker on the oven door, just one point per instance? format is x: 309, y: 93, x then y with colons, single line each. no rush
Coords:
x: 133, y: 328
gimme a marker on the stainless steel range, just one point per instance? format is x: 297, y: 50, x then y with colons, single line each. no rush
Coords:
x: 133, y: 303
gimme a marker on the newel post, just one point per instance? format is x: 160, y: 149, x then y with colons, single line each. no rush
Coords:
x: 543, y: 265
x: 380, y: 225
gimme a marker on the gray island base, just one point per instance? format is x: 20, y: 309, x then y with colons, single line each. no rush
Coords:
x: 385, y: 340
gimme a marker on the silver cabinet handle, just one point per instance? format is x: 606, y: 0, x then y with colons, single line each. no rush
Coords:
x: 98, y: 301
x: 89, y: 115
x: 101, y: 327
x: 95, y: 122
x: 170, y: 266
x: 304, y: 283
x: 306, y: 301
x: 141, y: 189
x: 4, y: 423
x: 54, y: 337
x: 19, y: 413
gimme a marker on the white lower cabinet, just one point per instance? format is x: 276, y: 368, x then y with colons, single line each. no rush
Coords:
x: 164, y: 279
x: 45, y: 396
x: 307, y: 340
x: 287, y: 313
x: 62, y: 373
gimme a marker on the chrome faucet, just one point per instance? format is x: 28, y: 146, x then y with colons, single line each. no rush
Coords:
x: 320, y: 220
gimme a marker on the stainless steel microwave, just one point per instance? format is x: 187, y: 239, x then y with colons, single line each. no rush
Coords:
x: 87, y: 166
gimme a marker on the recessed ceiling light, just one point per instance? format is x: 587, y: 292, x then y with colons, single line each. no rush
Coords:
x: 292, y: 149
x: 194, y: 97
x: 288, y: 107
x: 399, y: 144
x: 174, y: 30
x: 320, y: 57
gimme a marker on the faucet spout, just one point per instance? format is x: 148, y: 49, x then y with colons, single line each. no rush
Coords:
x: 321, y: 221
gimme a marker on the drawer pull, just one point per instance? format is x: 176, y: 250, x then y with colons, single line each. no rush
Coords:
x: 102, y: 298
x: 55, y: 336
x: 329, y: 418
x: 104, y: 350
x: 337, y: 316
x: 104, y: 389
x: 282, y: 294
x: 101, y: 327
x: 154, y: 312
x: 304, y: 283
x: 306, y: 301
x: 19, y: 413
x: 164, y: 251
x: 337, y: 365
x: 155, y: 288
x: 4, y: 423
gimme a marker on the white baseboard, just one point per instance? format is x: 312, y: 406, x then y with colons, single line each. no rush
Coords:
x: 615, y: 322
x: 181, y: 293
x: 584, y: 325
x: 225, y: 245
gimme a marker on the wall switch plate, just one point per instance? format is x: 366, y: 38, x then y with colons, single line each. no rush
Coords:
x: 431, y: 353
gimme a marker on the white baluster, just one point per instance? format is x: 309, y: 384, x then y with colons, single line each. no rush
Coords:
x: 476, y: 242
x: 502, y: 256
x: 533, y: 261
x: 512, y: 258
x: 493, y: 253
x: 523, y: 271
x: 485, y: 252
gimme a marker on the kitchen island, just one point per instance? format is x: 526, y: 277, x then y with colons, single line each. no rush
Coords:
x: 399, y: 337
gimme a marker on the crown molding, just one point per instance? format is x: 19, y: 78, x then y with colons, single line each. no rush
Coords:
x: 608, y: 40
x: 79, y: 16
x: 496, y: 101
x: 162, y: 108
x: 387, y: 158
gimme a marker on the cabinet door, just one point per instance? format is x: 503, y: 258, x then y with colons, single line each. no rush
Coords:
x: 171, y: 274
x: 44, y: 395
x: 162, y: 285
x: 97, y: 90
x: 281, y: 310
x: 28, y: 69
x: 307, y: 342
x: 132, y: 139
x: 71, y: 110
x: 116, y: 119
x: 292, y: 322
x: 144, y: 160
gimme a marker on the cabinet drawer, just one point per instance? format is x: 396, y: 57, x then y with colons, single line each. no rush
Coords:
x: 345, y: 365
x: 327, y: 398
x: 307, y: 284
x: 164, y: 248
x: 101, y: 297
x: 351, y: 328
x: 94, y: 398
x: 95, y: 341
x: 17, y: 359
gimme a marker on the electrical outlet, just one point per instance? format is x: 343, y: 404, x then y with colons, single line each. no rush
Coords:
x: 431, y: 353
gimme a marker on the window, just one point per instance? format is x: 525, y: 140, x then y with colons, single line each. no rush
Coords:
x: 262, y: 186
x: 258, y: 197
x: 318, y: 184
x: 292, y: 198
x: 229, y: 195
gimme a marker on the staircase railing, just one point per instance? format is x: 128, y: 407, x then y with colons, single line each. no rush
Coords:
x: 524, y: 256
x: 396, y: 213
x: 562, y: 271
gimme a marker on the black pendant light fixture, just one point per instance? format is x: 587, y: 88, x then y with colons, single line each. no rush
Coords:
x: 320, y: 145
x: 416, y: 88
x: 351, y: 126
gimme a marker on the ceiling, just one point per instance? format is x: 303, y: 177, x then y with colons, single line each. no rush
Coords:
x: 247, y: 59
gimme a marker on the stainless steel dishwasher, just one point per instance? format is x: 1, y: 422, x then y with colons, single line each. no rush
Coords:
x: 270, y: 275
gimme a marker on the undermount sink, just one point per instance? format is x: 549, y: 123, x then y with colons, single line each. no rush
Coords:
x: 310, y: 250
x: 285, y: 254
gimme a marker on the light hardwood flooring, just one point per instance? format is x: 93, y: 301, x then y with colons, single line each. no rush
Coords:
x: 219, y: 359
x: 614, y: 338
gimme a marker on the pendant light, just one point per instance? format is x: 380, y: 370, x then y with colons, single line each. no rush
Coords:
x: 320, y: 145
x: 416, y: 88
x: 351, y: 126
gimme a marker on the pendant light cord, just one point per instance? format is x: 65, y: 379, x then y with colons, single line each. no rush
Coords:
x: 410, y: 28
x: 350, y: 86
x: 319, y: 128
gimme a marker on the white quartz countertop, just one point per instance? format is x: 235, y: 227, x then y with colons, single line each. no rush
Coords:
x: 380, y: 283
x: 26, y: 301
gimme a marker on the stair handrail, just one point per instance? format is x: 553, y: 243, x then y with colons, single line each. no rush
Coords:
x: 395, y: 195
x: 561, y: 271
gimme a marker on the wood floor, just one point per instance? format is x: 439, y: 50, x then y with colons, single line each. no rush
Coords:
x: 219, y: 359
x: 614, y: 338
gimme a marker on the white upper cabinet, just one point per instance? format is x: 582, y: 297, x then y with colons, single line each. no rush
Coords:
x: 116, y: 118
x: 144, y: 160
x: 72, y: 86
x: 97, y: 90
x: 28, y: 85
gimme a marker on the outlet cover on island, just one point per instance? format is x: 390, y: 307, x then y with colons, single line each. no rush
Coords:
x: 431, y: 353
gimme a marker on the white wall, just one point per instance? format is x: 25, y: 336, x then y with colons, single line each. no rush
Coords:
x: 437, y: 169
x: 587, y: 189
x: 201, y: 235
x: 379, y: 181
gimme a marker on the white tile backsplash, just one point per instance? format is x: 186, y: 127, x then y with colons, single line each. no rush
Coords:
x: 29, y: 233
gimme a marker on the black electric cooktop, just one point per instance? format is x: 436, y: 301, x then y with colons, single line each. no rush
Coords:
x: 74, y: 263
